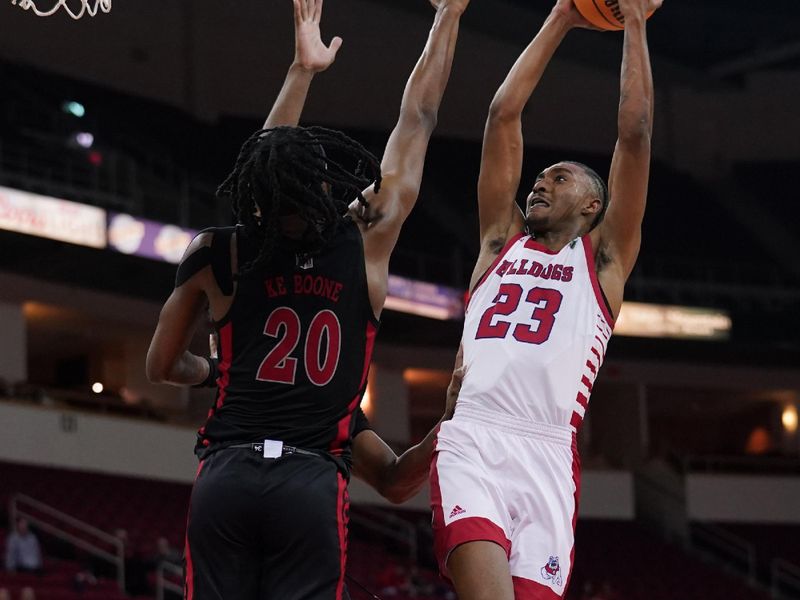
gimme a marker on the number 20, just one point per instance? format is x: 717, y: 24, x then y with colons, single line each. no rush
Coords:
x: 279, y: 367
x: 507, y: 301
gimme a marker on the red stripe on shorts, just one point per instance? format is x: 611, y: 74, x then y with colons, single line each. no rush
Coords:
x: 189, y: 581
x: 342, y: 505
x: 576, y: 479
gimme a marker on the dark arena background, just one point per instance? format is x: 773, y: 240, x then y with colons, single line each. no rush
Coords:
x: 114, y: 133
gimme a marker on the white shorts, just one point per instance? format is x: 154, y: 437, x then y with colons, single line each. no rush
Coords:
x: 512, y: 482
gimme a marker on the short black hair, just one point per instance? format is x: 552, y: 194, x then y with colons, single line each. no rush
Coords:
x: 282, y: 170
x: 600, y: 188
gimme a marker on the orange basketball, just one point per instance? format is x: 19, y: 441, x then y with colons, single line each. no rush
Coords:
x: 604, y: 14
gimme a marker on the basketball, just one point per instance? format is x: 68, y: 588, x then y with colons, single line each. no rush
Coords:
x: 604, y: 14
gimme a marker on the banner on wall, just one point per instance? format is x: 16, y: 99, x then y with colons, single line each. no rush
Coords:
x: 150, y: 239
x: 665, y: 321
x: 424, y: 299
x: 52, y: 218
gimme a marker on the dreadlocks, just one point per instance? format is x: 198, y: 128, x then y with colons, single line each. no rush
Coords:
x: 282, y: 171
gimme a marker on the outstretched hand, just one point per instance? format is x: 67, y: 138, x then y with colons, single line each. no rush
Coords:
x: 641, y: 7
x: 566, y: 9
x: 459, y: 5
x: 310, y: 53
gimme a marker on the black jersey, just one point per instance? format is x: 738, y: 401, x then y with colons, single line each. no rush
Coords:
x: 295, y: 348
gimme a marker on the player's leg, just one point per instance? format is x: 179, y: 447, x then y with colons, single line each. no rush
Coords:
x: 544, y: 491
x: 305, y: 556
x: 479, y: 571
x: 470, y: 521
x: 221, y: 558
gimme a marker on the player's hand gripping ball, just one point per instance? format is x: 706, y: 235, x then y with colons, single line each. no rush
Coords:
x: 607, y: 14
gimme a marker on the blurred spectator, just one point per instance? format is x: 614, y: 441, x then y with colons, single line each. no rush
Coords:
x: 27, y: 593
x: 393, y: 580
x: 84, y: 580
x: 5, y: 594
x: 23, y: 553
x: 166, y: 553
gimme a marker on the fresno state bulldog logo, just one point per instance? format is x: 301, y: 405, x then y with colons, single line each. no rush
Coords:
x: 552, y: 571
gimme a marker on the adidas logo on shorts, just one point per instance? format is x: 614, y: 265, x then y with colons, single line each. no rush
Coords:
x: 457, y: 510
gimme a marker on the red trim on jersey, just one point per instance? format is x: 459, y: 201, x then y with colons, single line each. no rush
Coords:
x: 582, y: 400
x: 591, y: 366
x: 189, y: 580
x: 598, y: 294
x: 602, y: 345
x: 576, y: 479
x: 526, y: 589
x: 596, y: 352
x: 532, y: 244
x: 226, y: 351
x: 576, y: 420
x: 343, y: 426
x: 436, y: 492
x: 491, y: 268
x: 585, y: 381
x: 342, y: 507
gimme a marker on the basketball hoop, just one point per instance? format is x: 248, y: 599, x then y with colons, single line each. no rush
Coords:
x: 86, y: 6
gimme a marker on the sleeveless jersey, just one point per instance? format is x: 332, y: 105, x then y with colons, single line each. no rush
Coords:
x: 294, y: 349
x: 535, y: 334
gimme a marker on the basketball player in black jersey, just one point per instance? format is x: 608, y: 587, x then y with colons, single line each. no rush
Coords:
x: 296, y: 290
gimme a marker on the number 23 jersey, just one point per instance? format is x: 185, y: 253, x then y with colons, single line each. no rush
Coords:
x: 536, y: 331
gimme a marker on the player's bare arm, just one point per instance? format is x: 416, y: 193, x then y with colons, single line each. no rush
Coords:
x: 399, y: 478
x: 617, y: 239
x: 311, y: 56
x: 168, y: 358
x: 404, y: 156
x: 501, y: 158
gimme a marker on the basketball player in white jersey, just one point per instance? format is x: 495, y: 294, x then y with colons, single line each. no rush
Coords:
x: 544, y: 293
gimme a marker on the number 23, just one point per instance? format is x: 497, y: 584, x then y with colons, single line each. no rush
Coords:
x: 546, y: 300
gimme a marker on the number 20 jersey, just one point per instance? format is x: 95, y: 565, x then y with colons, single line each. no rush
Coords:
x: 295, y: 348
x: 535, y: 334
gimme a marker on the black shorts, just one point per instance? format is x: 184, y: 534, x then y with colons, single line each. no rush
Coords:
x: 266, y: 528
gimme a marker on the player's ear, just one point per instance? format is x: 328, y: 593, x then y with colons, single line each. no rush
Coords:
x: 592, y: 206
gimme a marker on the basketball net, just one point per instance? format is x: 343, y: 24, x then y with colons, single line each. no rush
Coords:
x: 87, y: 6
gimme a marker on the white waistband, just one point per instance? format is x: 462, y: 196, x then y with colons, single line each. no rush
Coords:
x: 513, y: 424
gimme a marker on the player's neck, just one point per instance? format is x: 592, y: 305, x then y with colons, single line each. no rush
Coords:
x: 555, y: 240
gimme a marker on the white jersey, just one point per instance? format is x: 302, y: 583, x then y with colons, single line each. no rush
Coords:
x: 535, y: 334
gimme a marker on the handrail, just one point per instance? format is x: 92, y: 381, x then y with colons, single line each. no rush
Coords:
x: 406, y: 535
x: 162, y: 584
x: 17, y: 508
x: 726, y: 545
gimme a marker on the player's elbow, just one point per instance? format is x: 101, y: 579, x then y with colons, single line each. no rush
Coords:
x: 502, y: 111
x: 420, y: 116
x: 155, y: 370
x: 635, y: 129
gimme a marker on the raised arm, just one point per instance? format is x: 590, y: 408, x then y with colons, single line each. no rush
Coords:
x: 501, y: 159
x: 404, y: 156
x: 618, y: 237
x: 311, y: 56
